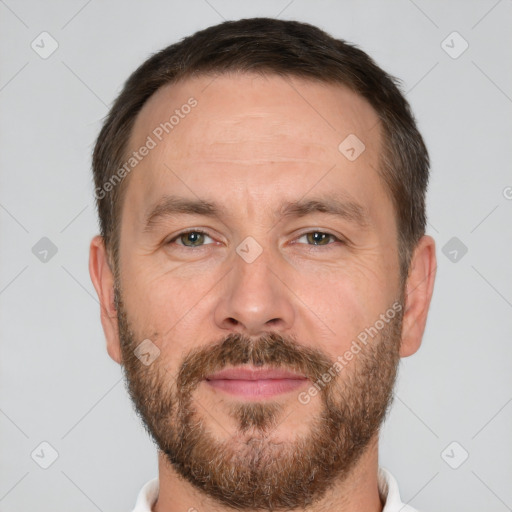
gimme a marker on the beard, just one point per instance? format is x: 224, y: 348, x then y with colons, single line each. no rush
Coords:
x: 251, y: 469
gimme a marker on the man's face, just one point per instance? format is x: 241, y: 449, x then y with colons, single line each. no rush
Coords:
x: 274, y: 278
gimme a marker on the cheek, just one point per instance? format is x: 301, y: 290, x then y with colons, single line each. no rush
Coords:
x: 168, y: 307
x: 347, y: 301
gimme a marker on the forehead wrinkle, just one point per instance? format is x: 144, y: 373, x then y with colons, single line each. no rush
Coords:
x: 243, y: 146
x: 250, y: 161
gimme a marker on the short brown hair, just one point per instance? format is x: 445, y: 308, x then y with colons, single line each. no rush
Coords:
x: 286, y: 48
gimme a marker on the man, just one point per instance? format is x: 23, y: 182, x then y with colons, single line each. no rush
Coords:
x: 262, y: 265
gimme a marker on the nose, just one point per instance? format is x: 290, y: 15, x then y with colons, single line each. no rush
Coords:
x: 253, y: 299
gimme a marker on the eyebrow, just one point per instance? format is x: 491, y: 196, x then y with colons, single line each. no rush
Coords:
x: 169, y: 206
x: 347, y: 209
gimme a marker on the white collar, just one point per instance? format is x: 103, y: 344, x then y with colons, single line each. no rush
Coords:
x: 390, y: 495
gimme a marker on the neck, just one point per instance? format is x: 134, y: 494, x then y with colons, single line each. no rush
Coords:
x: 359, y: 491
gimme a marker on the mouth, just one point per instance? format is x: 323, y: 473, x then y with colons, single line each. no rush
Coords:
x: 253, y: 383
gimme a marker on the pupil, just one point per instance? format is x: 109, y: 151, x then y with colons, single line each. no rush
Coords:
x: 194, y: 237
x: 318, y: 237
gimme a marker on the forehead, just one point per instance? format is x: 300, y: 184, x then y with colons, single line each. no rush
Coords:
x: 266, y: 134
x: 296, y: 109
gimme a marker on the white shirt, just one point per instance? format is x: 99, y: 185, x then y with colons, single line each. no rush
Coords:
x: 388, y: 490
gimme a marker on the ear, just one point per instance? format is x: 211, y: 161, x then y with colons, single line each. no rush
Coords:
x: 103, y: 281
x: 418, y: 292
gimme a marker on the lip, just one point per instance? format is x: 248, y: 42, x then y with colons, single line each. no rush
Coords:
x: 251, y: 373
x: 250, y: 382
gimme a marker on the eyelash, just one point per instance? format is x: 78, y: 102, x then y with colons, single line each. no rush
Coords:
x: 200, y: 231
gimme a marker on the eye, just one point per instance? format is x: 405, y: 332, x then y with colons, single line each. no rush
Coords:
x: 192, y: 238
x: 318, y: 238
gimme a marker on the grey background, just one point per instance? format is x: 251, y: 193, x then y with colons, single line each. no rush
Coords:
x: 57, y: 383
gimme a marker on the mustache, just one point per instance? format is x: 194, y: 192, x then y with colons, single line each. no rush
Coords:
x: 270, y: 349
